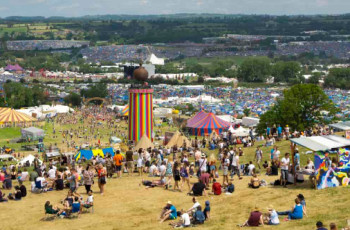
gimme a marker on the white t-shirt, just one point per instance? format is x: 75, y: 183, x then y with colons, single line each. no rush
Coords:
x: 24, y: 176
x: 196, y: 205
x: 186, y: 219
x: 90, y: 199
x: 42, y: 181
x: 276, y: 154
x: 274, y: 217
x: 52, y: 173
x: 203, y: 164
x: 162, y: 170
x: 285, y: 163
x: 147, y: 156
x: 235, y: 160
x: 152, y: 168
x: 250, y: 168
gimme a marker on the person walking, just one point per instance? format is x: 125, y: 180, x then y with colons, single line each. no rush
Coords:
x: 284, y: 169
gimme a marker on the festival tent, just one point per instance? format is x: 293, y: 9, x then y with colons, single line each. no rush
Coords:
x: 239, y: 132
x: 345, y: 125
x: 29, y: 158
x: 178, y: 139
x: 13, y: 116
x: 144, y: 143
x: 15, y: 67
x: 7, y: 157
x: 109, y: 151
x: 199, y: 116
x: 32, y: 133
x: 3, y: 109
x: 208, y: 124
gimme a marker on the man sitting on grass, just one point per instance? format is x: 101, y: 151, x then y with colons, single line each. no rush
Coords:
x: 49, y: 209
x: 168, y: 213
x: 198, y: 189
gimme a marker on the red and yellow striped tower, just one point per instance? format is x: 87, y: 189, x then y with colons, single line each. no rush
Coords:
x: 140, y: 108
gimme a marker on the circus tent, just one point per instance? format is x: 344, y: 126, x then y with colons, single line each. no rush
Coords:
x: 13, y: 116
x: 201, y: 114
x: 207, y: 124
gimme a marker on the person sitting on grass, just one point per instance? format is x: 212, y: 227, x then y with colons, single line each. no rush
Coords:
x: 2, y: 195
x: 7, y: 183
x: 49, y: 209
x: 272, y: 216
x: 184, y: 222
x: 23, y: 189
x: 198, y: 189
x: 196, y: 204
x: 89, y: 201
x: 254, y: 182
x: 216, y: 188
x: 17, y: 195
x: 198, y: 216
x: 168, y: 213
x: 58, y: 183
x: 76, y: 206
x: 206, y: 210
x: 320, y: 226
x: 255, y: 219
x: 230, y: 188
x: 296, y: 213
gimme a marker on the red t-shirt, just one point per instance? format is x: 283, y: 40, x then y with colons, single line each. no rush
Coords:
x: 217, y: 188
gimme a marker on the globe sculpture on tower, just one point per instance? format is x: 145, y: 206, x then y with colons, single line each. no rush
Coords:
x: 140, y: 107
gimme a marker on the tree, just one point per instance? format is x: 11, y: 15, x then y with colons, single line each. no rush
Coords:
x: 315, y: 78
x: 200, y: 79
x: 286, y: 71
x: 300, y: 108
x: 95, y: 90
x: 73, y: 99
x: 246, y: 112
x: 255, y: 69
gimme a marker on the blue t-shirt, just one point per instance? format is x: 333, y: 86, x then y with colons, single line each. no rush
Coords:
x: 279, y: 130
x: 173, y: 211
x: 231, y: 188
x: 297, y: 159
x: 206, y: 209
x: 297, y: 212
x: 268, y: 131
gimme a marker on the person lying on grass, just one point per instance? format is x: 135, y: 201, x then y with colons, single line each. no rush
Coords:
x: 153, y: 183
x: 168, y: 213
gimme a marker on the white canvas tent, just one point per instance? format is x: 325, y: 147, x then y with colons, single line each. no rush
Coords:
x: 239, y: 132
x: 6, y: 157
x: 29, y: 158
x: 144, y: 143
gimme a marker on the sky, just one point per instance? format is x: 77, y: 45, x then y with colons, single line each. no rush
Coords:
x: 76, y: 8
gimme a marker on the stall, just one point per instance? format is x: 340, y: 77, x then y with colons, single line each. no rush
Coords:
x: 32, y: 133
x: 331, y: 159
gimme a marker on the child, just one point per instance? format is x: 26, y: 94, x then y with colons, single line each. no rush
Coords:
x: 206, y: 210
x: 90, y: 200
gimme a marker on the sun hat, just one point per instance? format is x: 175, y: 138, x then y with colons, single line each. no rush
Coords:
x: 256, y: 209
x: 207, y: 203
x: 203, y: 155
x: 169, y: 202
x: 270, y: 207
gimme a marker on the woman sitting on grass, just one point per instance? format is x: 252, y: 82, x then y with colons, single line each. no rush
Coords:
x: 255, y: 219
x: 296, y: 213
x: 17, y: 195
x: 49, y: 209
x: 254, y: 182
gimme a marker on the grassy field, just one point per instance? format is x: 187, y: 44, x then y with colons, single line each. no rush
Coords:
x: 126, y: 205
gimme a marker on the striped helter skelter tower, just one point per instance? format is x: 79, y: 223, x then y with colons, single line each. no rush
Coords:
x: 140, y: 113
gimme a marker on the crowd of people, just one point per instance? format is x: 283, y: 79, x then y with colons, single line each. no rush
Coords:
x: 44, y: 44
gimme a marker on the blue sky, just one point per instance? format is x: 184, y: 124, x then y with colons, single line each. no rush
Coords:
x: 142, y: 7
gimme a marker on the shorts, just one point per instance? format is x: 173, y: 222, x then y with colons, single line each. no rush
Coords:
x: 177, y: 178
x: 118, y: 168
x: 147, y: 164
x: 225, y: 171
x: 102, y: 180
x: 212, y: 167
x: 129, y: 164
x: 172, y: 217
x: 73, y: 189
x: 284, y: 174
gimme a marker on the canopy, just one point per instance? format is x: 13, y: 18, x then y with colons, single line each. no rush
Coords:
x: 199, y: 116
x: 208, y: 124
x: 4, y: 109
x: 88, y: 154
x: 345, y: 125
x: 178, y: 139
x: 125, y: 111
x: 32, y: 133
x: 144, y: 143
x: 29, y: 158
x: 321, y: 143
x: 13, y: 116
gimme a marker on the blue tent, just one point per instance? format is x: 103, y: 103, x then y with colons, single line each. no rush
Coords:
x: 109, y: 151
x: 87, y: 154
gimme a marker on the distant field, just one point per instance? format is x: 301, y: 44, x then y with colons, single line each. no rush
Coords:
x: 12, y: 29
